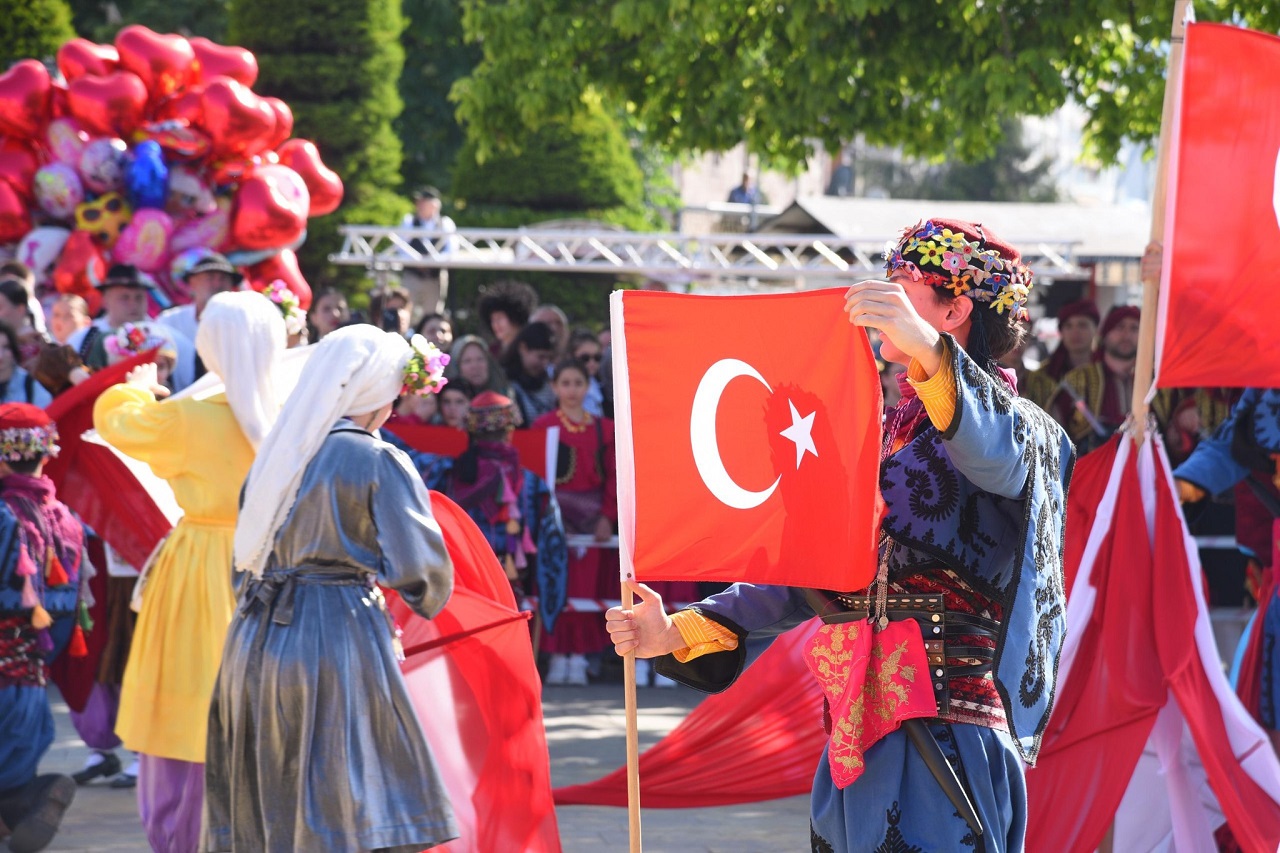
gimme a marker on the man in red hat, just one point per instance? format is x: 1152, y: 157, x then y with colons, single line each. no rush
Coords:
x: 41, y: 597
x: 1094, y: 400
x: 1077, y: 332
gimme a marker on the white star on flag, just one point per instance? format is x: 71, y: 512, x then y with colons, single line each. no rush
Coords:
x: 801, y: 432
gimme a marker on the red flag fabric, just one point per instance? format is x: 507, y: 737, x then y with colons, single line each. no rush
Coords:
x: 531, y: 444
x: 772, y: 716
x: 748, y: 436
x: 1222, y: 249
x: 1088, y: 482
x: 473, y: 682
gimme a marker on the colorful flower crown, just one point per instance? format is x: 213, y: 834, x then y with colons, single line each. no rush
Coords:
x: 133, y: 338
x: 424, y: 372
x: 961, y: 265
x: 295, y: 319
x: 20, y: 443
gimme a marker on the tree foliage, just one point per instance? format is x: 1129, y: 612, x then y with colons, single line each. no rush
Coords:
x: 100, y: 21
x: 932, y: 77
x: 32, y: 28
x: 336, y: 64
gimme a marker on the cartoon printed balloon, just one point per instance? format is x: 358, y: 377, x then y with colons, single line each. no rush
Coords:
x: 40, y: 249
x: 58, y: 190
x: 209, y: 231
x: 270, y: 209
x: 189, y: 195
x: 104, y: 219
x: 146, y: 179
x: 66, y: 141
x: 103, y: 163
x: 145, y: 240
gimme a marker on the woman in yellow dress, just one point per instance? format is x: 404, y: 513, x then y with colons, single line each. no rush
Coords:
x: 203, y: 445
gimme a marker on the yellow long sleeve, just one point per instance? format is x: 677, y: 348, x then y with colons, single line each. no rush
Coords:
x: 937, y: 392
x: 135, y: 423
x: 701, y: 635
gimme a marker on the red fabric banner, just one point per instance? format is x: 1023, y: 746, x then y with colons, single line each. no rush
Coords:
x: 748, y: 432
x: 1219, y: 298
x: 1088, y: 482
x: 758, y: 740
x: 531, y: 444
x: 477, y: 693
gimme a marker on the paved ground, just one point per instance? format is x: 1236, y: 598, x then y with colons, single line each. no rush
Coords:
x: 585, y: 737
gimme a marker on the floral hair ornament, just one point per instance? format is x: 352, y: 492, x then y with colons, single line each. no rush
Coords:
x: 295, y: 319
x: 424, y: 372
x: 134, y: 338
x: 26, y: 432
x: 965, y: 259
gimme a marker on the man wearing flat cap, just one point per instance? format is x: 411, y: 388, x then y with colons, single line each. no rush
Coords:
x: 207, y: 276
x: 428, y: 286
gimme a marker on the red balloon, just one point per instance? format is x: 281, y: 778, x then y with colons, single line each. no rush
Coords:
x: 240, y: 123
x: 284, y: 121
x: 164, y: 63
x: 80, y: 57
x: 79, y: 266
x: 108, y: 106
x: 186, y: 106
x: 25, y: 99
x: 270, y: 210
x: 18, y: 165
x: 325, y: 186
x: 216, y: 60
x: 283, y: 266
x: 15, y: 221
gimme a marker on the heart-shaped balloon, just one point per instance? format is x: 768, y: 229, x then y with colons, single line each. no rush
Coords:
x: 209, y: 231
x: 284, y: 267
x: 66, y: 141
x: 25, y: 102
x: 218, y: 60
x: 15, y: 220
x: 164, y: 63
x: 59, y: 191
x: 228, y: 173
x: 323, y: 184
x: 81, y: 57
x: 187, y: 105
x: 18, y: 165
x: 145, y: 241
x: 270, y: 209
x: 239, y: 122
x: 108, y: 106
x: 284, y: 121
x: 79, y: 266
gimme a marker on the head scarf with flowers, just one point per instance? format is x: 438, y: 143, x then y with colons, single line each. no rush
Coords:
x: 295, y: 319
x: 424, y: 372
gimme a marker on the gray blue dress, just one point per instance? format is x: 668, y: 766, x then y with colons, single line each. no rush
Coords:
x: 313, y: 741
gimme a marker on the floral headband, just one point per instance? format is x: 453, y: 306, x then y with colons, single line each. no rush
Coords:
x: 945, y: 257
x: 424, y: 372
x: 18, y: 443
x: 133, y: 338
x: 295, y: 319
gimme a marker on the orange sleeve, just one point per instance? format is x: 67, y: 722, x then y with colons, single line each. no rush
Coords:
x: 701, y: 635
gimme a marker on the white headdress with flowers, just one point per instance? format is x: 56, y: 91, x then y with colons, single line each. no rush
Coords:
x: 134, y: 338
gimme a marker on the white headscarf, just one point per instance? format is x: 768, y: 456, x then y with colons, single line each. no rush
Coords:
x: 352, y: 371
x: 240, y: 337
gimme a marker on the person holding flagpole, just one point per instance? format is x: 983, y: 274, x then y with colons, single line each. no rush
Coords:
x: 939, y: 677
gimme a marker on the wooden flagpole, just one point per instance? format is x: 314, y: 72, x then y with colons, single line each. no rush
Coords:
x: 1144, y: 369
x: 633, y: 737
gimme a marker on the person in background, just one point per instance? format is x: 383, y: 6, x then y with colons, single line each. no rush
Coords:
x: 437, y: 329
x: 328, y: 312
x: 586, y: 350
x: 133, y: 339
x: 16, y: 384
x: 429, y: 286
x: 206, y: 275
x: 454, y: 405
x: 43, y: 591
x: 525, y: 364
x: 505, y: 308
x: 473, y: 369
x: 559, y: 323
x: 390, y: 309
x: 27, y: 277
x: 68, y: 315
x: 744, y: 193
x: 15, y: 312
x: 1077, y: 336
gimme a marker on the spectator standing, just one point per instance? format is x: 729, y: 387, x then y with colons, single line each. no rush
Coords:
x: 505, y: 308
x: 744, y: 193
x: 390, y: 309
x: 15, y: 312
x: 1077, y: 338
x: 208, y: 275
x: 454, y: 405
x: 473, y: 369
x: 437, y: 329
x: 428, y: 286
x: 559, y: 323
x: 328, y: 312
x: 68, y: 315
x: 587, y: 351
x: 16, y: 384
x: 526, y: 364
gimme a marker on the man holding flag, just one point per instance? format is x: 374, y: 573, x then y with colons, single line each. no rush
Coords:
x: 939, y: 675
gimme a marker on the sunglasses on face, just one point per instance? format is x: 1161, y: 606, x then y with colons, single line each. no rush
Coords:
x: 93, y: 214
x: 590, y: 357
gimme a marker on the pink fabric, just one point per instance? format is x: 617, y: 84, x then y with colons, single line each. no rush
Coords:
x: 170, y: 801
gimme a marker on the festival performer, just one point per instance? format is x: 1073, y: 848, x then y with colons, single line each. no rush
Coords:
x: 313, y: 742
x: 1077, y: 329
x: 203, y: 446
x: 940, y: 676
x: 44, y: 582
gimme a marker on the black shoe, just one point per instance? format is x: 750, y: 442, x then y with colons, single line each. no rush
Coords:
x: 104, y: 769
x: 36, y: 829
x: 123, y: 780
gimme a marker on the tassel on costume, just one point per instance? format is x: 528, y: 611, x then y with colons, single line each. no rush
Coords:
x: 54, y: 573
x: 29, y: 598
x: 77, y: 648
x: 40, y: 618
x: 83, y: 619
x: 26, y: 566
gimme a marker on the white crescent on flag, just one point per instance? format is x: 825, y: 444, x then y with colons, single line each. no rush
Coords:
x: 702, y: 435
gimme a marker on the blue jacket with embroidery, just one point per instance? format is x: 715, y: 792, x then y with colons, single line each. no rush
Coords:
x: 1212, y: 466
x: 986, y: 499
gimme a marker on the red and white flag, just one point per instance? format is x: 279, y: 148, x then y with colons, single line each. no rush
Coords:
x: 748, y: 439
x: 1219, y: 298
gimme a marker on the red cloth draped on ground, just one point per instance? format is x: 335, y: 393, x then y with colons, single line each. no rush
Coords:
x: 758, y: 740
x: 472, y: 679
x: 1136, y: 640
x: 94, y: 482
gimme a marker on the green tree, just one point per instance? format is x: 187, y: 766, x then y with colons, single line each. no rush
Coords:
x: 436, y: 55
x: 32, y: 29
x: 930, y: 76
x: 336, y: 64
x: 100, y: 21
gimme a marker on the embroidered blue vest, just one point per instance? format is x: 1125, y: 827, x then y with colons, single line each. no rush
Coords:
x: 1212, y: 466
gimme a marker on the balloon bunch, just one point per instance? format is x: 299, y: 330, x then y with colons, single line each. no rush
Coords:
x: 146, y: 149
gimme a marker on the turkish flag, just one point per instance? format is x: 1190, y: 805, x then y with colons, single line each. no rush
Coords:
x: 748, y: 439
x: 1219, y: 300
